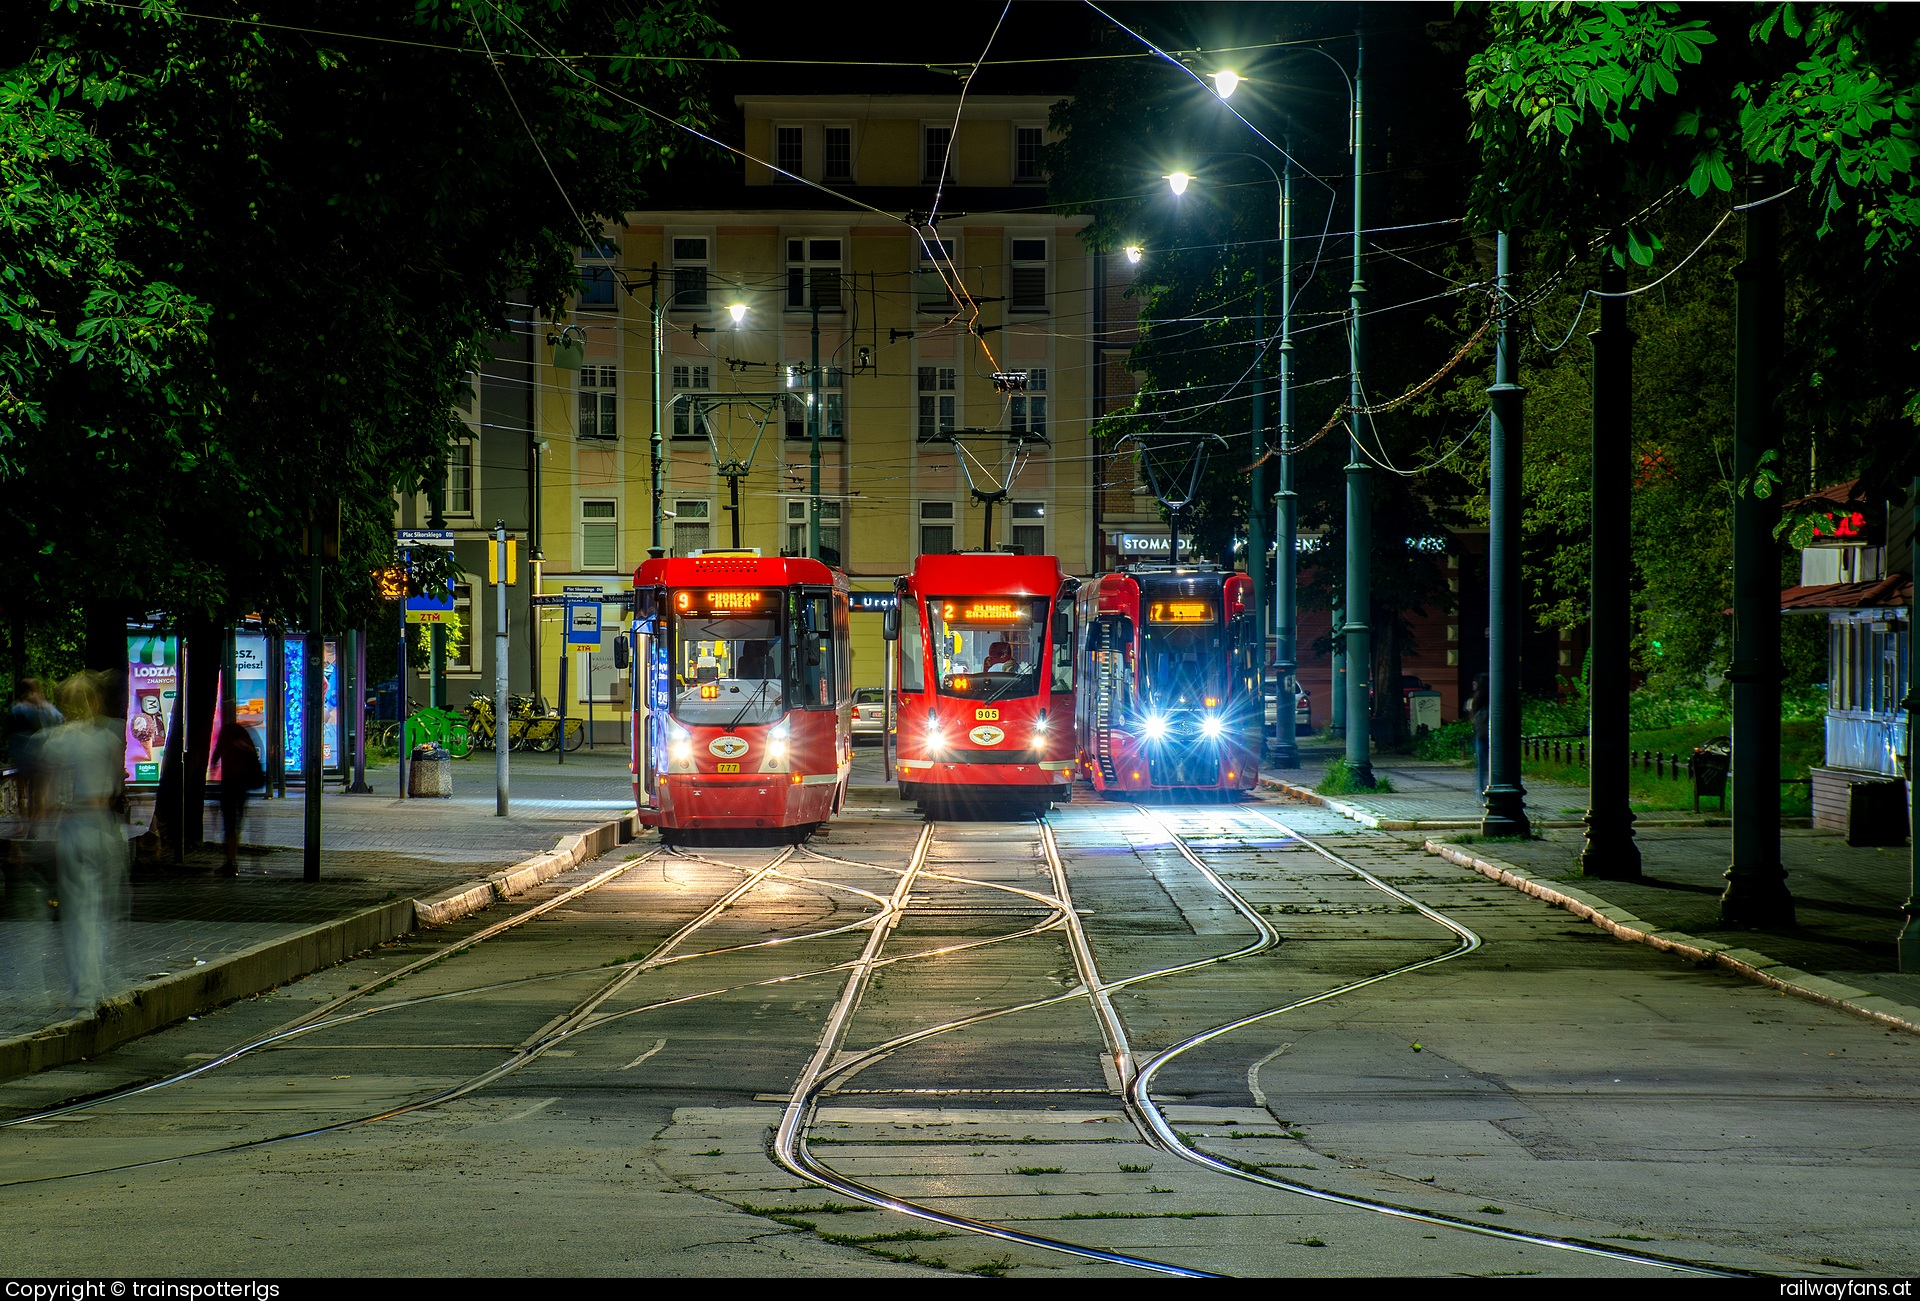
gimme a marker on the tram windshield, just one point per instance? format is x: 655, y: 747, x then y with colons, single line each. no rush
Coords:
x: 1182, y: 657
x: 729, y: 657
x: 987, y: 647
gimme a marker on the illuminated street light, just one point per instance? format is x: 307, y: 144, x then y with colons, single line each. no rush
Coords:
x: 1225, y: 82
x: 1133, y: 253
x: 738, y: 311
x: 1179, y: 181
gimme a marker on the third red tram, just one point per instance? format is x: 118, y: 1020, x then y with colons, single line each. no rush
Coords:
x: 1169, y: 681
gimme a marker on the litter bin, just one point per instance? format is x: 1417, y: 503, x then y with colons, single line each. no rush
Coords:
x: 430, y: 775
x: 1423, y: 711
x: 1708, y: 767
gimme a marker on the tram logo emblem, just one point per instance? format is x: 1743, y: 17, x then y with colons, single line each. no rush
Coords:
x: 986, y: 735
x: 727, y: 747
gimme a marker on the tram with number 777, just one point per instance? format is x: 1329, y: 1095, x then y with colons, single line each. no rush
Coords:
x: 743, y: 664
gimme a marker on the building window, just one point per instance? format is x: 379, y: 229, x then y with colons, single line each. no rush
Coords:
x: 460, y: 478
x: 596, y: 274
x: 833, y: 426
x: 1029, y: 276
x: 829, y: 529
x: 788, y: 154
x: 689, y: 274
x: 599, y: 403
x: 930, y: 280
x: 1029, y: 410
x: 600, y: 534
x: 1027, y: 141
x: 692, y: 530
x: 939, y: 141
x: 692, y: 417
x: 813, y: 274
x: 460, y: 657
x: 1030, y: 528
x: 838, y: 158
x: 938, y: 403
x: 936, y: 528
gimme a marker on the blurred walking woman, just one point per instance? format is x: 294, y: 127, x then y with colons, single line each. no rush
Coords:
x: 84, y: 761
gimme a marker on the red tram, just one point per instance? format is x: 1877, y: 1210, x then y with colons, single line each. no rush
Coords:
x: 748, y: 717
x: 984, y: 671
x: 1169, y: 681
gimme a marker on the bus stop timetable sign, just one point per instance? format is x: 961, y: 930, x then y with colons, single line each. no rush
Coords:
x: 583, y: 616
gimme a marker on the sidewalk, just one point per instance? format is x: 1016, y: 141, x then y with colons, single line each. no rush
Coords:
x: 376, y: 850
x: 1841, y: 948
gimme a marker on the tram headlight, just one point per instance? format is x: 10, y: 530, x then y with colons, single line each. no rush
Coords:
x: 936, y: 739
x: 679, y: 742
x: 777, y: 741
x: 1211, y: 727
x: 1154, y: 726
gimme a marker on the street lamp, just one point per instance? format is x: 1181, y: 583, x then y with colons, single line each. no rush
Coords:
x: 1225, y: 82
x: 738, y: 311
x: 1133, y: 254
x: 1179, y: 181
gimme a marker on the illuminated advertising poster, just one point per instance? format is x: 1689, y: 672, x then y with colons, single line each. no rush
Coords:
x: 296, y: 662
x: 153, y: 686
x: 250, y: 697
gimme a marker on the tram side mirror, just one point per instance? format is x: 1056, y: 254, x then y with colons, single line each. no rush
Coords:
x: 890, y: 623
x: 620, y: 653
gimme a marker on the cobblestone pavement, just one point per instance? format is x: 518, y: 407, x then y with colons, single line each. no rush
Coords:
x: 374, y: 848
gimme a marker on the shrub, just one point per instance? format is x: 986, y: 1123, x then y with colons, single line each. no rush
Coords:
x: 1341, y: 781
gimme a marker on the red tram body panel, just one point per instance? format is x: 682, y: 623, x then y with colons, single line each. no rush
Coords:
x: 985, y: 678
x: 748, y: 720
x: 1169, y: 681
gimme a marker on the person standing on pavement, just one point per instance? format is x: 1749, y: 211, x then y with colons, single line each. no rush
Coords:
x: 240, y: 773
x: 85, y: 761
x: 1477, y: 707
x: 27, y: 936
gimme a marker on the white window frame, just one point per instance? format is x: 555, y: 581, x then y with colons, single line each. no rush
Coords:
x: 1038, y: 177
x: 701, y: 514
x: 833, y: 516
x: 1027, y: 412
x: 467, y: 666
x: 930, y: 399
x: 583, y: 522
x: 692, y: 421
x: 800, y: 166
x: 937, y: 515
x: 688, y: 262
x: 1035, y: 517
x: 827, y: 175
x: 603, y: 383
x: 1016, y: 265
x: 465, y: 457
x: 602, y: 258
x: 799, y: 381
x: 807, y: 264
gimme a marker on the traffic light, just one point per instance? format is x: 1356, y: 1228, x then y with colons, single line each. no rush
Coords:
x: 391, y: 582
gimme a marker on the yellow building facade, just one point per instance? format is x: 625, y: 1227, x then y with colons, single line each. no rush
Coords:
x: 912, y: 328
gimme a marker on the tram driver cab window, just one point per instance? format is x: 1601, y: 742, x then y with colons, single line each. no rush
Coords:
x: 727, y: 658
x: 987, y: 647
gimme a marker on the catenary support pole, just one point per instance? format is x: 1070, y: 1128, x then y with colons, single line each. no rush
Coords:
x: 1756, y: 893
x: 1506, y: 806
x: 1257, y: 490
x: 658, y: 445
x: 400, y: 698
x: 1286, y: 506
x: 560, y: 748
x: 1359, y: 602
x: 500, y: 647
x: 315, y: 707
x: 1610, y: 850
x: 813, y: 431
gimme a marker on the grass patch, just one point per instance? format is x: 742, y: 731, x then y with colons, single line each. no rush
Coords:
x: 1036, y: 1170
x: 1839, y: 1264
x: 997, y: 1267
x: 1340, y: 780
x: 712, y: 1151
x: 1491, y: 1209
x: 1126, y: 1169
x: 1308, y: 1242
x: 1156, y: 1188
x: 812, y: 1208
x: 1286, y: 1165
x: 867, y: 1240
x: 1629, y: 1237
x: 1802, y: 745
x: 1141, y: 1215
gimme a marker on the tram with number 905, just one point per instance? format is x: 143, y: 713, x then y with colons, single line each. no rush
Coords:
x: 984, y: 676
x: 1169, y: 681
x: 747, y: 697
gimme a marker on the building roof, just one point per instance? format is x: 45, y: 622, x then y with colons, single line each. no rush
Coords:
x: 1893, y: 591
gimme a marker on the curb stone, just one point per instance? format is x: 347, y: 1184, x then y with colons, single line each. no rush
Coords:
x: 276, y: 962
x: 1749, y: 963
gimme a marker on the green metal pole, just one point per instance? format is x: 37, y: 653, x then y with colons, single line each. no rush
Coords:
x: 813, y: 434
x: 1257, y: 491
x: 659, y: 412
x: 1910, y: 933
x: 1610, y: 850
x: 1506, y: 806
x: 1286, y: 506
x: 1359, y: 602
x: 437, y: 636
x: 1756, y: 893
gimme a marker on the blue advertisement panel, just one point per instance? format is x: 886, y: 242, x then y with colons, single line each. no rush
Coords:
x: 296, y: 699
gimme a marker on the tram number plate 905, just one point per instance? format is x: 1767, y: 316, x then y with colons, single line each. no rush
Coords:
x: 726, y: 767
x: 986, y: 715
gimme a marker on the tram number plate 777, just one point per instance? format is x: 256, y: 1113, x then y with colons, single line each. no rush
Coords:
x: 986, y: 715
x: 726, y: 767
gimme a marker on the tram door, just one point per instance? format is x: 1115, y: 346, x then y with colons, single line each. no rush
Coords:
x: 1108, y: 693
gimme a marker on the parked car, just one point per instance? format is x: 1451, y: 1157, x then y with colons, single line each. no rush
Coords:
x: 1302, y: 707
x: 869, y: 711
